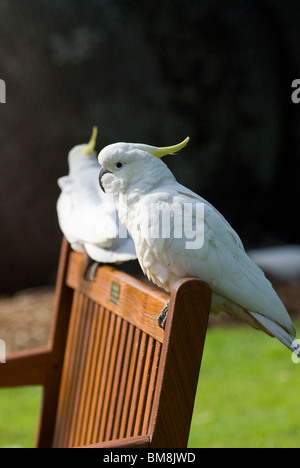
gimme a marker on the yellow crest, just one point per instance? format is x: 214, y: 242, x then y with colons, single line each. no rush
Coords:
x: 89, y: 148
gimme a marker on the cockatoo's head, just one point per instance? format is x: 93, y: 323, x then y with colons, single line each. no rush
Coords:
x: 80, y: 154
x: 134, y: 166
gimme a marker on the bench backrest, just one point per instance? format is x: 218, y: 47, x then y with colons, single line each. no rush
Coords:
x: 116, y: 378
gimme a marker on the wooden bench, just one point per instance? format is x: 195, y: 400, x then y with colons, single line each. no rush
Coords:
x: 111, y: 376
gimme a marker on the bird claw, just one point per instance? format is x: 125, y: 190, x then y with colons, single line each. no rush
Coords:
x: 88, y: 263
x: 163, y: 316
x: 93, y: 271
x: 92, y: 266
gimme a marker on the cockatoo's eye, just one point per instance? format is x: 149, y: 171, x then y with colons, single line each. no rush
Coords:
x: 119, y: 165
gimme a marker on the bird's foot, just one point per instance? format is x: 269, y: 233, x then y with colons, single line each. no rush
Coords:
x: 90, y: 269
x: 163, y: 316
x: 88, y: 263
x: 93, y: 271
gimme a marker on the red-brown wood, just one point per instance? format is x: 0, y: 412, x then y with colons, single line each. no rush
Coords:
x: 57, y: 343
x: 139, y: 303
x: 142, y: 441
x: 111, y: 376
x: 25, y: 368
x: 180, y: 364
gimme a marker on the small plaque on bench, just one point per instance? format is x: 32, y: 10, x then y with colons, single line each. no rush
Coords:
x: 115, y: 292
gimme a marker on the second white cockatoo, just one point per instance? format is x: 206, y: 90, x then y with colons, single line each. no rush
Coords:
x: 178, y: 234
x: 88, y: 217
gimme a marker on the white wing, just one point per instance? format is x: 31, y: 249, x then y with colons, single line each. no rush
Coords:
x: 221, y: 261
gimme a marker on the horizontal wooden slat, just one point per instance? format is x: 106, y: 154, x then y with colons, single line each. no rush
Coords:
x: 138, y: 303
x: 25, y: 368
x: 142, y: 441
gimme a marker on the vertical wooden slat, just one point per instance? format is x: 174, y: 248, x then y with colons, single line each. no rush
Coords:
x: 81, y: 365
x: 151, y: 388
x: 98, y: 375
x: 92, y: 386
x: 73, y: 369
x: 130, y: 382
x: 87, y: 378
x: 123, y: 383
x: 60, y: 426
x: 136, y: 386
x: 116, y: 387
x: 105, y: 371
x: 110, y: 381
x: 143, y: 388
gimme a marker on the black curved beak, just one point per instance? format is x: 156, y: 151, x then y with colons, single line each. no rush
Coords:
x: 102, y: 172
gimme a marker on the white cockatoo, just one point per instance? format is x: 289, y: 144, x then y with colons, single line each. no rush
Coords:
x: 178, y: 234
x: 87, y: 216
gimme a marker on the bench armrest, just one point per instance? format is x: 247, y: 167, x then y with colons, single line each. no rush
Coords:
x: 25, y: 368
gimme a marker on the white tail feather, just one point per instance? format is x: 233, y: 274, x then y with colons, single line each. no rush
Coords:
x: 280, y: 333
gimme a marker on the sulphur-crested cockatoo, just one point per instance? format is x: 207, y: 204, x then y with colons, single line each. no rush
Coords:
x: 87, y: 216
x: 179, y: 234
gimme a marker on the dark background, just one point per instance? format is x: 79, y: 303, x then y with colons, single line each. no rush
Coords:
x: 151, y: 72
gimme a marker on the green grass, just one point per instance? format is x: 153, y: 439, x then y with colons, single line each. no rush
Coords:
x: 247, y: 396
x: 19, y: 413
x: 248, y: 393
